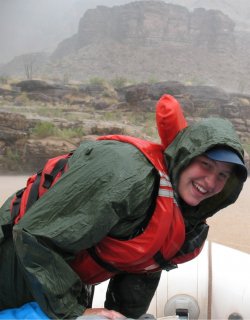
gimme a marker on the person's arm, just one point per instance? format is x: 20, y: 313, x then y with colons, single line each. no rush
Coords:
x: 76, y: 213
x: 53, y: 229
x: 131, y: 294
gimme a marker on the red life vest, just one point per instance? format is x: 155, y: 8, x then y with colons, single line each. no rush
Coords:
x: 150, y: 251
x: 37, y: 185
x: 154, y: 249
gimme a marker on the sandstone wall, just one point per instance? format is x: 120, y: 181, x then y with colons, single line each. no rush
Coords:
x: 149, y: 40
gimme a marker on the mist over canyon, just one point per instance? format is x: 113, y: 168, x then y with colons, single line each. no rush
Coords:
x: 146, y: 41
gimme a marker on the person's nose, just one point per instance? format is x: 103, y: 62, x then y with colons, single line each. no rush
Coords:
x: 211, y: 180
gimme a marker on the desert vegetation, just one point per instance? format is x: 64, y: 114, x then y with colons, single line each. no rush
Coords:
x: 41, y: 119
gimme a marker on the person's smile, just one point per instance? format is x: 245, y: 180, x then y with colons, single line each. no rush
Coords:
x: 200, y: 189
x: 202, y: 179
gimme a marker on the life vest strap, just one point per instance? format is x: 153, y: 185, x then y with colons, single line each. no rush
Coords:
x: 50, y: 177
x: 107, y: 266
x: 16, y: 204
x: 7, y: 228
x: 163, y: 263
x: 34, y: 191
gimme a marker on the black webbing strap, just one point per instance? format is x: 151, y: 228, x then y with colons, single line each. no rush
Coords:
x: 48, y: 180
x: 34, y: 191
x: 109, y: 267
x: 16, y: 204
x: 50, y: 177
x: 163, y: 263
x: 7, y: 228
x: 33, y: 194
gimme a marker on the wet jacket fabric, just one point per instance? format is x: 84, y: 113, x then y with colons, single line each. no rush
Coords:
x: 107, y: 191
x: 151, y: 250
x: 90, y: 200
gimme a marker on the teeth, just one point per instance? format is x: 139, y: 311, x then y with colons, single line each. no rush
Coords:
x: 202, y: 190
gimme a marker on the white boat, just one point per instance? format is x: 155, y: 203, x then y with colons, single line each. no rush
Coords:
x: 215, y: 285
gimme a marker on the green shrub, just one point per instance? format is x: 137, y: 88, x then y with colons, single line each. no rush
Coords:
x: 22, y: 99
x: 4, y: 79
x: 12, y: 160
x: 45, y: 129
x: 112, y: 115
x: 119, y: 82
x: 97, y: 81
x: 152, y: 80
x: 47, y: 111
x: 70, y: 133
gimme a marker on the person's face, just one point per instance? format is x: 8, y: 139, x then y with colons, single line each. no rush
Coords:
x: 202, y: 179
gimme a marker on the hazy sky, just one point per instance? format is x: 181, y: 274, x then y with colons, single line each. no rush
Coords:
x: 39, y: 25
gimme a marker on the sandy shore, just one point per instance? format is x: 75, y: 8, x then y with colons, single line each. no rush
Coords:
x: 231, y: 226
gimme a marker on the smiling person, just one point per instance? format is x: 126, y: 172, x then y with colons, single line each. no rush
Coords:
x: 118, y: 208
x: 204, y: 177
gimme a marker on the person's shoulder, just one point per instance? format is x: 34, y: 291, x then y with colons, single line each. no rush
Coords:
x: 123, y: 154
x: 111, y: 152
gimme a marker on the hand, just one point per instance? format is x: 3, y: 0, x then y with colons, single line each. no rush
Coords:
x: 109, y: 314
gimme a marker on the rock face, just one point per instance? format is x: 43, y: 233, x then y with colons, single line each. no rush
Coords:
x: 154, y: 39
x: 237, y: 11
x: 156, y: 24
x: 151, y: 39
x: 145, y: 40
x: 151, y: 23
x: 21, y: 150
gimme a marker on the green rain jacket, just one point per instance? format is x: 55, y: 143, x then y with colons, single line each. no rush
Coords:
x: 106, y: 191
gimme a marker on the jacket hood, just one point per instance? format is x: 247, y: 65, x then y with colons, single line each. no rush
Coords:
x: 192, y: 141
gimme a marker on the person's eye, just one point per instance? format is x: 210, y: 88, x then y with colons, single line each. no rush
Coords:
x: 205, y: 164
x: 224, y: 176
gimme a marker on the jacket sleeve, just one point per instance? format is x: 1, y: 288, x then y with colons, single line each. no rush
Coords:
x: 169, y: 118
x: 76, y: 213
x: 131, y: 294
